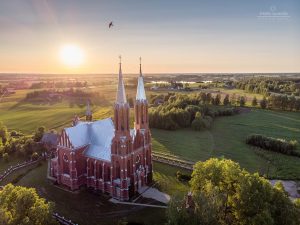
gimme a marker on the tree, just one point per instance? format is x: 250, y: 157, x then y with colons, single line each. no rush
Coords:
x: 263, y: 103
x: 197, y: 124
x: 208, y: 98
x: 3, y: 133
x: 5, y: 157
x: 233, y: 99
x: 232, y: 196
x: 242, y: 101
x: 254, y: 102
x: 217, y: 100
x: 21, y: 206
x: 39, y: 134
x: 179, y: 213
x: 226, y: 100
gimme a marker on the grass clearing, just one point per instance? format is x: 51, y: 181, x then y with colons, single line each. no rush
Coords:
x: 227, y: 138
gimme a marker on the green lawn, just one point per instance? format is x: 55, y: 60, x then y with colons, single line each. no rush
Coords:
x: 227, y: 138
x: 165, y: 176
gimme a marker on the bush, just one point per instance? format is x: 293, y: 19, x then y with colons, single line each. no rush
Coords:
x: 34, y: 156
x: 197, y: 124
x: 183, y: 177
x: 5, y: 157
x: 273, y: 144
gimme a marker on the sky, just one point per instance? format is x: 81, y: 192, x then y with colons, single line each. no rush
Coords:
x: 171, y: 36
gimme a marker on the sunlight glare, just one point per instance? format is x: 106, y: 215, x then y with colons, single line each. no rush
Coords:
x: 71, y: 55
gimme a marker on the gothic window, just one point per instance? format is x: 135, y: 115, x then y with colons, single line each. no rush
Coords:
x: 65, y: 158
x: 100, y: 171
x: 107, y: 174
x: 118, y: 172
x: 128, y: 168
x: 137, y: 161
x: 91, y: 168
x: 66, y: 168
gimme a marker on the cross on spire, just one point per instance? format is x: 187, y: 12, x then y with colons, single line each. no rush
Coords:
x: 141, y: 67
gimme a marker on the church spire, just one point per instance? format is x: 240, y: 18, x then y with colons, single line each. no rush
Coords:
x: 140, y: 93
x: 121, y: 96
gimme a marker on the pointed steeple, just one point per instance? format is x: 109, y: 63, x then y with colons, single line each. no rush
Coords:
x: 121, y: 96
x: 140, y: 93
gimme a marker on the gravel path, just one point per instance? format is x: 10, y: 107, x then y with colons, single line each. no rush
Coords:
x: 289, y: 186
x: 154, y: 194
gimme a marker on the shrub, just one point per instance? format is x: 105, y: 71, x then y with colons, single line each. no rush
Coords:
x: 183, y: 177
x: 34, y: 156
x: 197, y: 124
x: 6, y: 157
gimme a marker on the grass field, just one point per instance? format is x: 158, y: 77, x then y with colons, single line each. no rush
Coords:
x: 227, y: 138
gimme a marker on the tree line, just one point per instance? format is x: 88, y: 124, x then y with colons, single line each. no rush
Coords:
x: 266, y: 85
x: 273, y: 144
x: 182, y: 110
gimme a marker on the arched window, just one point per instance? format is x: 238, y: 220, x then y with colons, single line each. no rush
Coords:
x: 117, y: 169
x: 107, y: 173
x: 137, y: 162
x: 66, y: 168
x: 100, y: 171
x: 128, y: 168
x: 91, y: 171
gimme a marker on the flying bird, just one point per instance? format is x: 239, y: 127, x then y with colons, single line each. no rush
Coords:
x: 110, y: 25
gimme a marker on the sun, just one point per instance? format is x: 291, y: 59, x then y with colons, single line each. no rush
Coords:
x: 71, y: 55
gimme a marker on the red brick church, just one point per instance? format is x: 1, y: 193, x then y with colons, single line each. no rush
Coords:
x: 106, y: 154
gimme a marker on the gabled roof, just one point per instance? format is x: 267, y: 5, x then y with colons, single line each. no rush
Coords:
x: 96, y: 136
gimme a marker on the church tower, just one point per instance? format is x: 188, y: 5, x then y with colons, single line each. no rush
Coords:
x: 141, y: 125
x: 141, y: 105
x: 121, y: 108
x: 122, y: 143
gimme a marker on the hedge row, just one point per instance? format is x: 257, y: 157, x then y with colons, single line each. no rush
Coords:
x: 273, y: 144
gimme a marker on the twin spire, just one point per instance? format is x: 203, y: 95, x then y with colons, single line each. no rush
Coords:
x: 121, y: 96
x: 140, y: 94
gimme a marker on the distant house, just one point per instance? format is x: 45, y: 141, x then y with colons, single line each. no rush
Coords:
x: 159, y: 101
x: 154, y: 88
